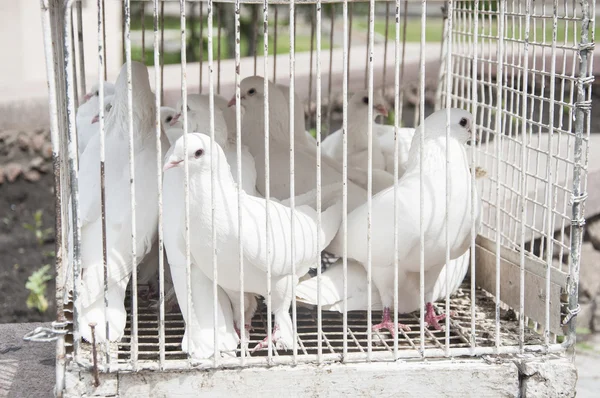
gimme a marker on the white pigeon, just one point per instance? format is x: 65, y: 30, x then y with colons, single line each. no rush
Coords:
x: 118, y: 209
x: 202, y: 152
x: 332, y: 288
x: 198, y: 117
x: 85, y: 113
x: 252, y: 101
x: 408, y: 206
x: 358, y: 132
x: 198, y: 339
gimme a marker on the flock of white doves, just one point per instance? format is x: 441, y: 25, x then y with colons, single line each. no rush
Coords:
x: 286, y: 247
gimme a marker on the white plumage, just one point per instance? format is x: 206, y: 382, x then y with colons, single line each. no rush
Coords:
x: 254, y: 234
x: 84, y: 117
x: 358, y: 132
x: 252, y: 100
x: 434, y: 203
x: 118, y: 209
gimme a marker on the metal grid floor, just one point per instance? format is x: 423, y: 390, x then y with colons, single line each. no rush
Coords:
x: 333, y: 337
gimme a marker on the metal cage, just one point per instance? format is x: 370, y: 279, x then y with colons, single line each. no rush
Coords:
x: 522, y: 68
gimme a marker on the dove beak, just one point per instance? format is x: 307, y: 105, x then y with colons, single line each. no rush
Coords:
x: 382, y: 110
x: 86, y: 98
x: 96, y: 119
x: 171, y: 164
x: 174, y: 120
x: 232, y: 101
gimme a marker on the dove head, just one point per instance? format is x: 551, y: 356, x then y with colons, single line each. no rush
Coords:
x: 461, y: 124
x: 198, y: 154
x: 108, y: 101
x: 142, y: 99
x: 252, y: 100
x: 166, y: 116
x: 198, y: 114
x: 109, y: 89
x: 360, y: 103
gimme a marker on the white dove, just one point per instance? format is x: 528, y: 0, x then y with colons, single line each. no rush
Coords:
x: 358, y: 132
x: 252, y: 101
x: 198, y: 117
x: 166, y: 116
x: 85, y: 113
x: 201, y: 152
x: 118, y: 210
x: 199, y: 320
x: 409, y: 197
x: 332, y: 288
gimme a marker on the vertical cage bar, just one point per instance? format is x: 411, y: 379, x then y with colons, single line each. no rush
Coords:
x: 346, y: 50
x: 292, y: 31
x: 61, y: 248
x: 72, y: 162
x: 318, y: 133
x: 102, y: 133
x: 134, y: 287
x: 498, y: 147
x: 267, y: 177
x: 104, y: 40
x: 370, y: 181
x: 75, y: 55
x: 238, y: 141
x: 385, y: 46
x: 549, y: 173
x: 448, y: 39
x: 186, y: 169
x: 162, y: 50
x: 211, y: 105
x: 474, y: 108
x: 421, y: 181
x: 582, y: 113
x: 524, y: 165
x: 397, y: 79
x: 159, y: 160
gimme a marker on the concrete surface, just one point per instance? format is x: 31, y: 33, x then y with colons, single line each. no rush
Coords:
x: 26, y: 369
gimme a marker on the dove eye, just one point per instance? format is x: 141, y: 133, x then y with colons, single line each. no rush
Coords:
x: 251, y: 91
x: 365, y: 100
x: 168, y: 119
x: 96, y: 93
x: 463, y: 122
x: 198, y: 153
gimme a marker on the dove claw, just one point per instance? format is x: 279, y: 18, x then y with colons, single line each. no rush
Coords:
x: 431, y: 319
x: 388, y: 324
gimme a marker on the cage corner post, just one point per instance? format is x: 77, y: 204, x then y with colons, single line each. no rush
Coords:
x: 53, y: 18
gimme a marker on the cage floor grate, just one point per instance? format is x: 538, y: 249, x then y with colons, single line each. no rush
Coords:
x: 332, y: 327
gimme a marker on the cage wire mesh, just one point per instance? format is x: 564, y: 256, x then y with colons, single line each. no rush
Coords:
x: 522, y: 68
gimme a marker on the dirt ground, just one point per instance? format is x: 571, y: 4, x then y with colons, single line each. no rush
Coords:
x: 20, y: 252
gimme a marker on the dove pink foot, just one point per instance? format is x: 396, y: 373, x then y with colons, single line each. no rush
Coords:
x: 265, y: 342
x: 388, y: 323
x: 431, y: 319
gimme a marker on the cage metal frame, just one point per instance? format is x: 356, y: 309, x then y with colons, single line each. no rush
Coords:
x: 57, y: 21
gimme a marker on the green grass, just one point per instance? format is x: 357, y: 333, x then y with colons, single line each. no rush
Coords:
x: 433, y: 29
x: 538, y: 33
x: 302, y: 45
